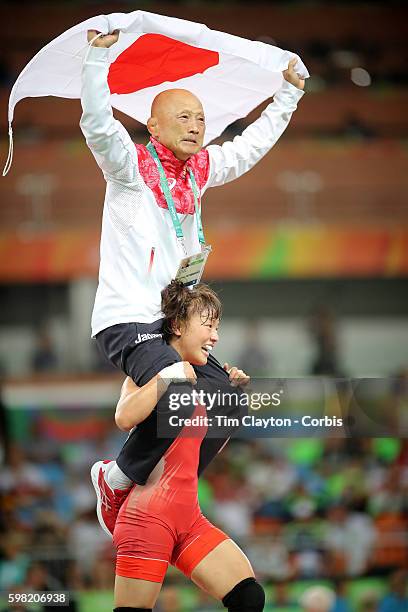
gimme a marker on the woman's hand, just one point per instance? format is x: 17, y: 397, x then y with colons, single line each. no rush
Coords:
x: 178, y: 372
x: 191, y: 376
x: 237, y: 377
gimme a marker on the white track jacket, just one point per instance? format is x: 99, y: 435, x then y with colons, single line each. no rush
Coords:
x: 139, y: 253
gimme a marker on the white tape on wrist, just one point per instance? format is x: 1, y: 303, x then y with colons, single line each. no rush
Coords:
x: 173, y: 373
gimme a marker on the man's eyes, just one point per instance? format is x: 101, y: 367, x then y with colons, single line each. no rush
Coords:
x: 186, y: 117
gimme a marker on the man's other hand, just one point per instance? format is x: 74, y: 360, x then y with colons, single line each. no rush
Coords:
x: 291, y: 76
x: 107, y: 40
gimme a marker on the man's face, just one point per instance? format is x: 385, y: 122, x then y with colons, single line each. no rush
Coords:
x: 178, y: 122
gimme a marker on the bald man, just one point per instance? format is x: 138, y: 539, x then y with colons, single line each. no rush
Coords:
x: 177, y: 121
x: 140, y: 252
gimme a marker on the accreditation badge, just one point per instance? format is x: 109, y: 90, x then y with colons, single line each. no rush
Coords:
x: 191, y: 268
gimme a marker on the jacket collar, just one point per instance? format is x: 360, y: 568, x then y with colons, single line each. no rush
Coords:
x: 168, y: 159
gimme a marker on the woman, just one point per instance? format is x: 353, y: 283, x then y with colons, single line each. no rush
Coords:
x: 161, y: 522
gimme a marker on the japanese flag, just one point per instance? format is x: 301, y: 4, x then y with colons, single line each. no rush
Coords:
x: 230, y: 75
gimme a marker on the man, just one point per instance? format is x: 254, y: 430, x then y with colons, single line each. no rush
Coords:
x: 151, y: 220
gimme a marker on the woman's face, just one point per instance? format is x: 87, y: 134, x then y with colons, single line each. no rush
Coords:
x: 196, y: 338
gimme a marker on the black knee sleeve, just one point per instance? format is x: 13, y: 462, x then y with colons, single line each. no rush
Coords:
x: 246, y: 596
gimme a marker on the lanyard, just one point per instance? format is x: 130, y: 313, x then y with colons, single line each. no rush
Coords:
x: 170, y: 203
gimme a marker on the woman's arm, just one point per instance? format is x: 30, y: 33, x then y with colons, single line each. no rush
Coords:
x: 137, y: 403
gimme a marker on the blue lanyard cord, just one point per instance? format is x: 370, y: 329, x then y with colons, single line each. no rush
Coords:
x: 170, y: 202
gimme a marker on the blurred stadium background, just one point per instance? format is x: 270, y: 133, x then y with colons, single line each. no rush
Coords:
x: 311, y: 261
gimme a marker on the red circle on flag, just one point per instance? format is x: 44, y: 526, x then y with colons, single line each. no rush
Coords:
x: 153, y: 59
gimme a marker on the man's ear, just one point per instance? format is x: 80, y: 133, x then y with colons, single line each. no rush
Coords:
x: 152, y: 126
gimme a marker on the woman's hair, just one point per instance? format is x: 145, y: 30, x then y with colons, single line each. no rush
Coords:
x: 178, y: 303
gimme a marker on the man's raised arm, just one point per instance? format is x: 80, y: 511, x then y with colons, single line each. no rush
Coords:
x: 233, y: 158
x: 108, y: 140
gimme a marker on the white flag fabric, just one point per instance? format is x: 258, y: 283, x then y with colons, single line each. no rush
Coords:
x: 230, y: 75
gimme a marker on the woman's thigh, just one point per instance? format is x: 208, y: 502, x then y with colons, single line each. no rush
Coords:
x: 144, y: 543
x: 222, y: 569
x: 134, y: 593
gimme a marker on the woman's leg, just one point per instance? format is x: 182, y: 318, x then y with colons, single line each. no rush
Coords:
x: 227, y: 575
x: 134, y: 593
x: 143, y: 545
